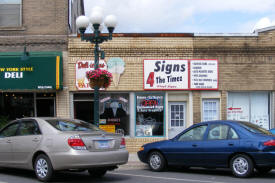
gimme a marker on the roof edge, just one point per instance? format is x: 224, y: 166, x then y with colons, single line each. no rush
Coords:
x: 264, y: 29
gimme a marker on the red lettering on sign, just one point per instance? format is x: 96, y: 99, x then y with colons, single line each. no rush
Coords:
x: 150, y: 79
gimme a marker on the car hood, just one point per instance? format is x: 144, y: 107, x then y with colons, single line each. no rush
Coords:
x: 156, y: 144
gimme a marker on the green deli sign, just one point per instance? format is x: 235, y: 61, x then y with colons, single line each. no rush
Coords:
x: 38, y: 71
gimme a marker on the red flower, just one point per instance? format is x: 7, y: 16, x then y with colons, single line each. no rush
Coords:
x: 100, y: 75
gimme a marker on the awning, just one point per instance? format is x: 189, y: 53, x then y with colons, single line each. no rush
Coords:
x: 38, y: 71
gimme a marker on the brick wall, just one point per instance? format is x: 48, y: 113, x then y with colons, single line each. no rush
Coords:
x: 63, y: 97
x: 133, y: 144
x: 133, y: 51
x: 44, y: 27
x: 196, y: 106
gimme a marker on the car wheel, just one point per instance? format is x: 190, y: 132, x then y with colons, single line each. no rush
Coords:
x: 97, y: 172
x: 156, y: 161
x: 241, y: 166
x: 263, y: 170
x: 43, y: 168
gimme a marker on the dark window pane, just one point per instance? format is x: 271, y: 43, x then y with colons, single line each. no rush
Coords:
x: 195, y: 133
x: 72, y: 125
x: 45, y: 107
x: 9, y: 130
x: 28, y: 128
x: 16, y: 105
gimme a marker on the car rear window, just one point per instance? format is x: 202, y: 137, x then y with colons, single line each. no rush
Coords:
x: 254, y: 128
x: 72, y: 125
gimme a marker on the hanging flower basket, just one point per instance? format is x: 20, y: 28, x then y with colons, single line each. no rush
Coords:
x: 99, y: 78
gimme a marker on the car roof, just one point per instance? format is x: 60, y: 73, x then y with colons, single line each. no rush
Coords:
x: 43, y: 118
x: 222, y: 121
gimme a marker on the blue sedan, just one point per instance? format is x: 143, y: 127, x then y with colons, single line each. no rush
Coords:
x: 272, y: 130
x: 240, y: 146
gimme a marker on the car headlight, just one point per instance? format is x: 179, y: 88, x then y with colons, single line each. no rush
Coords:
x: 141, y: 148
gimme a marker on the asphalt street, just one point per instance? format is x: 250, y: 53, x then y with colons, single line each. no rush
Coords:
x: 139, y: 174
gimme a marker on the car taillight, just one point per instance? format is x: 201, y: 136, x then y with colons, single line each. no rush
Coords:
x: 122, y: 143
x: 76, y: 143
x: 269, y: 143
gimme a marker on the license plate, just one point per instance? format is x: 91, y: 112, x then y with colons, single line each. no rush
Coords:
x: 103, y: 144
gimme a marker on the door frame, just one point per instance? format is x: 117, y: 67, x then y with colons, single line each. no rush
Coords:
x: 184, y: 114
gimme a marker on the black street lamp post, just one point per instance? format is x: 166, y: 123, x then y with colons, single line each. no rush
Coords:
x: 96, y: 19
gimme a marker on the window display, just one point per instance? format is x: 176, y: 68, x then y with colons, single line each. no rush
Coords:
x: 150, y: 115
x: 114, y: 113
x: 249, y: 106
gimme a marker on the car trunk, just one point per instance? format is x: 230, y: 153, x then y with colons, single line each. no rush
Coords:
x: 101, y: 141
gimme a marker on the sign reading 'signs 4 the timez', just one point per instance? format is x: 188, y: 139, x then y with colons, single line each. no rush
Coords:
x: 180, y: 74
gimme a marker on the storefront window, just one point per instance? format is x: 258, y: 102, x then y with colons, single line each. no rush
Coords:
x: 149, y: 115
x: 249, y: 106
x: 114, y: 113
x: 17, y: 105
x: 84, y: 107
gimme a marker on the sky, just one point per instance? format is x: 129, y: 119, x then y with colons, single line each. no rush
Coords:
x: 187, y: 16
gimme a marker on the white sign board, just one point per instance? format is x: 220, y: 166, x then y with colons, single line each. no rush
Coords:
x: 180, y: 74
x: 165, y: 74
x: 204, y: 74
x: 81, y: 67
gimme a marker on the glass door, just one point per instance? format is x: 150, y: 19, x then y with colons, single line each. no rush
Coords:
x: 177, y: 118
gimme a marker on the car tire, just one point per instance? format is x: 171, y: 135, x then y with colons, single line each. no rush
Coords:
x: 43, y: 168
x: 263, y: 170
x: 241, y: 166
x: 156, y: 161
x: 97, y: 173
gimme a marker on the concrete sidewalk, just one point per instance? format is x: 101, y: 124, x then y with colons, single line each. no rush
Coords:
x: 134, y: 163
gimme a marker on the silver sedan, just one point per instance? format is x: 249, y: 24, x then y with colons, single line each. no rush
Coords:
x: 46, y: 145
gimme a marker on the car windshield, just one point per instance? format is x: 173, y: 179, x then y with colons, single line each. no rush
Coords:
x: 72, y: 125
x: 254, y: 128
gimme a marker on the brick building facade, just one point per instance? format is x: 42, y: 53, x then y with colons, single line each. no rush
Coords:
x: 32, y: 81
x: 245, y: 75
x: 245, y: 78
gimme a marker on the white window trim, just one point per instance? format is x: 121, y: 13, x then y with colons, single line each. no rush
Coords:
x: 211, y: 99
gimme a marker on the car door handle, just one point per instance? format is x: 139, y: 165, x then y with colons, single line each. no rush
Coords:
x: 8, y: 141
x: 194, y: 145
x: 230, y: 144
x: 35, y: 140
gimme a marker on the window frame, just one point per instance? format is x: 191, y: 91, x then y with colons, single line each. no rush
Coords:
x: 217, y: 100
x: 20, y: 3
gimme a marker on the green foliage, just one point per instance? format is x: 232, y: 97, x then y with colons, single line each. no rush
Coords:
x: 3, y: 121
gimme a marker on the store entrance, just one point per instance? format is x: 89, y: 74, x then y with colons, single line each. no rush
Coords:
x: 45, y: 107
x: 83, y: 110
x: 177, y: 118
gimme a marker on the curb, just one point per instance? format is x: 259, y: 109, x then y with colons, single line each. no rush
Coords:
x: 133, y: 165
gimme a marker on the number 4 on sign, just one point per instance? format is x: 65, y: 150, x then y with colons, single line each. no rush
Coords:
x: 150, y: 79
